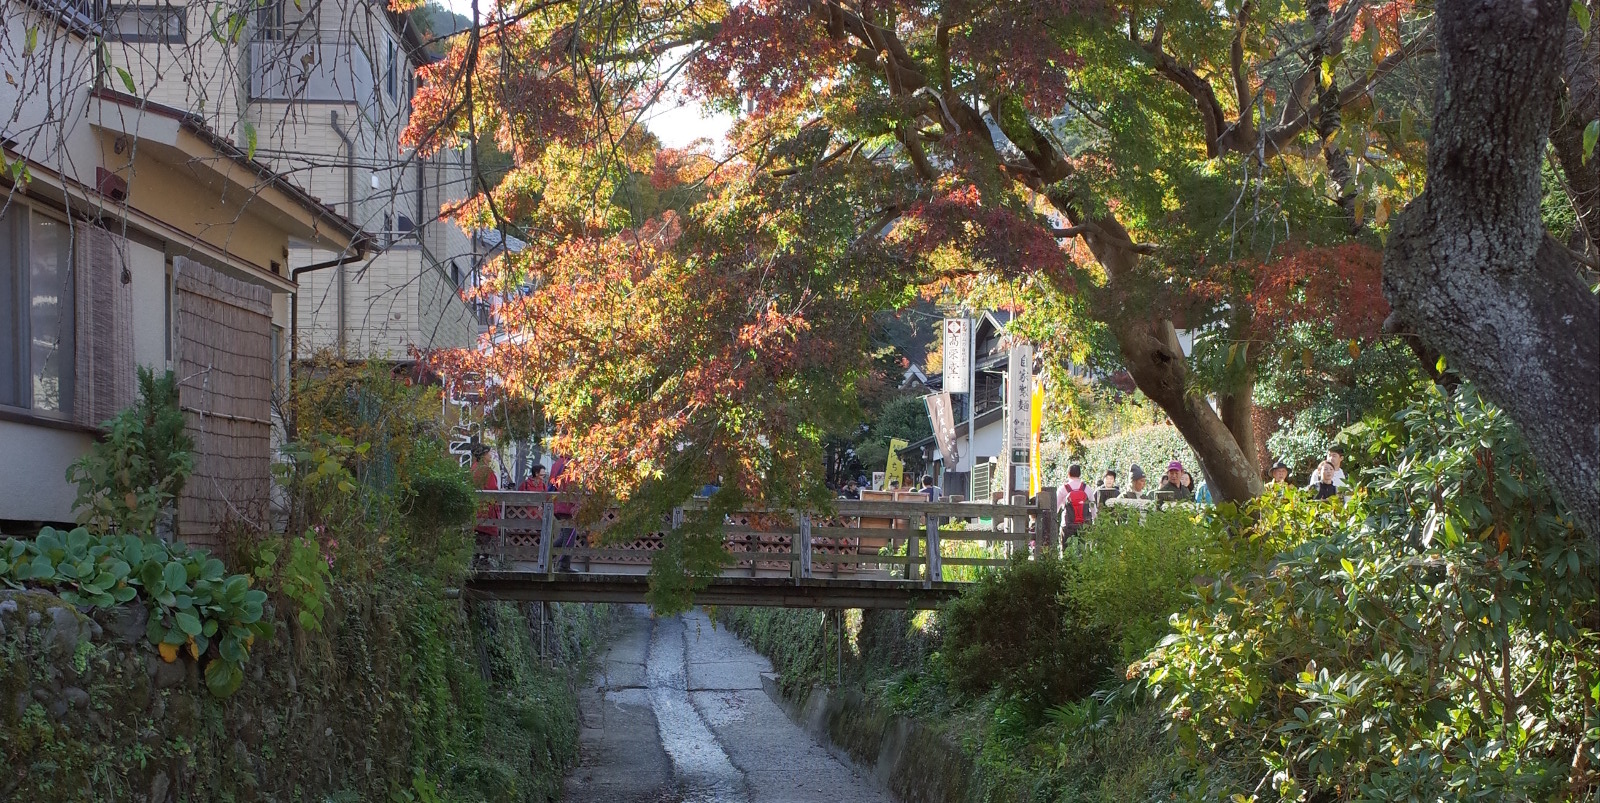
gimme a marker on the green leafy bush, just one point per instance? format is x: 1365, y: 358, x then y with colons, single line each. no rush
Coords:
x: 193, y: 602
x: 367, y: 473
x: 299, y: 569
x: 1016, y: 630
x: 1130, y: 572
x: 1434, y: 640
x: 1152, y: 447
x: 126, y: 481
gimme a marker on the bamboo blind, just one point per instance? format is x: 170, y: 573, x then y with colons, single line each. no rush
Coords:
x: 223, y: 343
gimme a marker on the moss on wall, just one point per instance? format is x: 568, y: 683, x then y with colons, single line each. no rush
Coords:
x: 406, y: 695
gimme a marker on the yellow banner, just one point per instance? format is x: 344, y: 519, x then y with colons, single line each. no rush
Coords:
x: 1037, y: 422
x: 896, y: 469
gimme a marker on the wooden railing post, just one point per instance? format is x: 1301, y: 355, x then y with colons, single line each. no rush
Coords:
x: 1019, y: 523
x: 547, y: 534
x: 911, y: 552
x: 802, y: 547
x: 935, y: 572
x: 1048, y: 519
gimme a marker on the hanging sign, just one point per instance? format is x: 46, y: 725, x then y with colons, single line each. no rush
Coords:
x: 943, y: 420
x: 1019, y: 405
x: 957, y: 355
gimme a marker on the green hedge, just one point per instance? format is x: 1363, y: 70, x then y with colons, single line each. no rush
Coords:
x: 1152, y: 447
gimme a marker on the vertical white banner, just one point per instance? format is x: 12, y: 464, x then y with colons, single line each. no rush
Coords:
x: 957, y: 355
x: 1019, y: 403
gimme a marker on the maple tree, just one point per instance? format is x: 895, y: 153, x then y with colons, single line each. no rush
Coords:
x: 1220, y: 165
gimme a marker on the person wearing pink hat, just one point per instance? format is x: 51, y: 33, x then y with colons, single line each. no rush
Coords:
x: 1172, y: 488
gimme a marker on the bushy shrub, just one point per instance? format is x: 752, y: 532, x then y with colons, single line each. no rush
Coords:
x: 127, y: 481
x: 1152, y: 447
x: 1130, y: 572
x: 1016, y: 630
x: 368, y: 474
x: 1434, y: 640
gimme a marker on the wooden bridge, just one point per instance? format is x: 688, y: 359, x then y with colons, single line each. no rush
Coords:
x: 901, y: 551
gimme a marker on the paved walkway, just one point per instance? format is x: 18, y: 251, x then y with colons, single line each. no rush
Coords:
x: 677, y: 715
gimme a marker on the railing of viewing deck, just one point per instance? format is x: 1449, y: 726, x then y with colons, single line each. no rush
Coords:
x: 854, y: 540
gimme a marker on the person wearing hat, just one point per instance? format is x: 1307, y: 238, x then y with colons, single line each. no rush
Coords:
x: 1278, y: 474
x: 1137, y: 488
x: 1172, y: 488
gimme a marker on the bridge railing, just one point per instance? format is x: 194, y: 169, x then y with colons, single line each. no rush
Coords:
x: 887, y: 540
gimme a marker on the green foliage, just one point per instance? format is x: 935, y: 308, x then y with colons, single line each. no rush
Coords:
x: 1130, y: 572
x: 128, y: 479
x: 193, y: 602
x: 904, y: 417
x: 367, y: 474
x: 392, y: 690
x: 299, y: 569
x: 1435, y: 639
x: 1152, y: 447
x: 1313, y: 403
x: 1017, y: 632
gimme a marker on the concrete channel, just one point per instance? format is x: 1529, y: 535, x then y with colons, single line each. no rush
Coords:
x: 676, y: 714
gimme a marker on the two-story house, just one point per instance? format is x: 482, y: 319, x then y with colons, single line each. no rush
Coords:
x: 133, y: 234
x: 320, y: 90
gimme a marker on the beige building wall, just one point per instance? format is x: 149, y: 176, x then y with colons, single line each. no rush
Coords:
x: 323, y: 92
x: 185, y: 196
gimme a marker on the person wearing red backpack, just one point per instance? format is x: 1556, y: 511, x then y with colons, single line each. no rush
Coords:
x: 1074, y: 501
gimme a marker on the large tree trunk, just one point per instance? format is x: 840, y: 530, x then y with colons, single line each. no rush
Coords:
x: 1155, y: 360
x: 1469, y: 266
x: 1153, y: 356
x: 1581, y: 73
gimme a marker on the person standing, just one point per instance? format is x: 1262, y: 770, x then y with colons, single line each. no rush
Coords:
x: 565, y: 526
x: 1108, y: 489
x: 1279, y: 473
x: 1074, y: 502
x: 1172, y: 488
x: 1322, y: 483
x: 934, y: 492
x: 485, y: 478
x: 1137, y: 487
x: 1336, y: 459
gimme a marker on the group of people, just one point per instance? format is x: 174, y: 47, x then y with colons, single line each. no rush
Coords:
x: 486, y: 478
x: 851, y: 489
x: 1325, y: 482
x: 1079, y: 503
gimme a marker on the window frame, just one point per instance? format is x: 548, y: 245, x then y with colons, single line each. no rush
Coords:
x: 82, y: 17
x: 390, y: 78
x: 22, y: 285
x: 116, y: 10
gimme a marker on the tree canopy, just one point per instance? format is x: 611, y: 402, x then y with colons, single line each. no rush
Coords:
x: 1228, y: 168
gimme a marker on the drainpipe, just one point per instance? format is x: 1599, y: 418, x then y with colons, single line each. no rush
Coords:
x: 294, y: 325
x: 422, y: 182
x: 349, y: 212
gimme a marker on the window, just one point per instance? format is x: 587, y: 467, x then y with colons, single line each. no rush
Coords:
x: 166, y: 24
x: 269, y: 21
x: 81, y: 16
x: 391, y: 72
x: 455, y: 274
x: 36, y: 301
x: 982, y: 480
